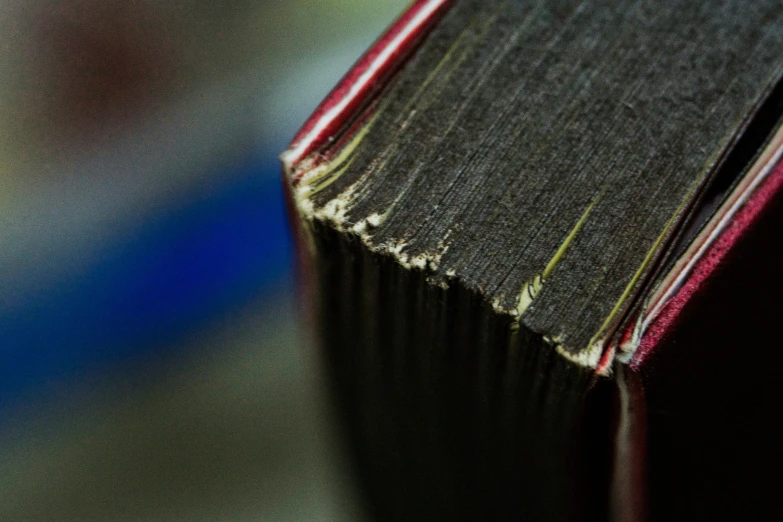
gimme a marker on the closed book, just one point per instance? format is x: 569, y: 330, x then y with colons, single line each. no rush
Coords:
x: 539, y: 244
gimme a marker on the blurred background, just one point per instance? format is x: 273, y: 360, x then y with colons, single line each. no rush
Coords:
x: 152, y: 365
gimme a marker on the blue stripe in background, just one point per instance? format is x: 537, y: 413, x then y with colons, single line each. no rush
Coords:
x: 163, y: 283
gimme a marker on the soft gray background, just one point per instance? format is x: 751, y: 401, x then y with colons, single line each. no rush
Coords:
x: 236, y: 426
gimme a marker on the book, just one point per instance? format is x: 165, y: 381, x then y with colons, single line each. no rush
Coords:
x: 511, y: 217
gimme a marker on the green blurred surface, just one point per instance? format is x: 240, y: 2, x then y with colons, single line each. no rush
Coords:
x: 238, y: 432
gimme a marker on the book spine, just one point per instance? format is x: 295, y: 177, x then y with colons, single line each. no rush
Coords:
x: 743, y: 220
x: 628, y: 482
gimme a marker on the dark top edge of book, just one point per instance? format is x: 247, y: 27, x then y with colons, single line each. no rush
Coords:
x: 542, y: 154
